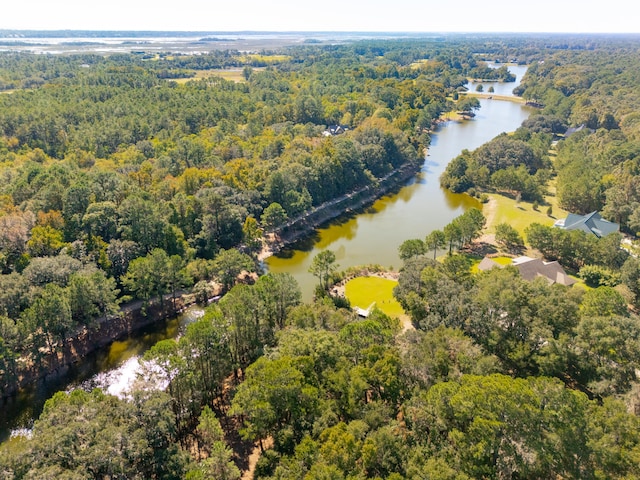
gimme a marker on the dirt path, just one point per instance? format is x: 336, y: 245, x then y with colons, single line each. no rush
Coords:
x: 406, y: 322
x: 489, y: 210
x: 269, y: 241
x: 254, y: 457
x: 253, y: 460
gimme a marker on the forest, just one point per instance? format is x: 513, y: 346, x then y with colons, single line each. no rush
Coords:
x: 119, y: 183
x: 127, y: 178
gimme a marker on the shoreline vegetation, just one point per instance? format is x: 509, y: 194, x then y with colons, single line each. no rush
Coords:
x: 303, y: 225
x: 130, y: 319
x: 88, y: 339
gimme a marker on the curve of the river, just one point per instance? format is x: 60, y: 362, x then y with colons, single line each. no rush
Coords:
x: 372, y: 236
x: 421, y: 206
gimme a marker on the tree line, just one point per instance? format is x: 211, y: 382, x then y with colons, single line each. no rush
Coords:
x: 496, y: 380
x: 500, y: 378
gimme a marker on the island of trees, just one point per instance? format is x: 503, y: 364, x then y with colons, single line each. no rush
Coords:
x: 119, y: 182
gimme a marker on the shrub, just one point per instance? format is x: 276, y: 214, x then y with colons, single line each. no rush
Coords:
x: 597, y: 276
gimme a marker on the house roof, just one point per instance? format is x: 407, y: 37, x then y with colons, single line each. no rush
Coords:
x: 571, y: 130
x: 488, y: 264
x: 335, y: 130
x: 590, y: 223
x: 532, y: 268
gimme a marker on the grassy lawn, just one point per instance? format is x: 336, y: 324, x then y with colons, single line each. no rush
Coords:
x: 363, y: 291
x: 507, y: 98
x: 265, y: 58
x: 499, y: 260
x: 503, y: 209
x: 423, y: 62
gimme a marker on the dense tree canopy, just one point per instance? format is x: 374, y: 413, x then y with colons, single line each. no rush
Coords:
x: 506, y: 164
x: 113, y: 171
x: 596, y: 165
x: 117, y: 181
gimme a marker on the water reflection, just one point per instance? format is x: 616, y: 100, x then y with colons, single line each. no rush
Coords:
x: 374, y: 234
x: 505, y: 89
x: 457, y: 201
x: 112, y: 368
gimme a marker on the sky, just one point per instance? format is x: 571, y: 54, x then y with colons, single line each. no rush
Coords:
x: 582, y: 16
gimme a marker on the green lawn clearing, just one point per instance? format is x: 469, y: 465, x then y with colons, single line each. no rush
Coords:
x: 269, y: 59
x: 363, y: 291
x: 493, y: 96
x: 520, y: 215
x: 499, y: 260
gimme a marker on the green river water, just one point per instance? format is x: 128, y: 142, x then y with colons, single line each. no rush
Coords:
x: 371, y: 236
x: 374, y: 235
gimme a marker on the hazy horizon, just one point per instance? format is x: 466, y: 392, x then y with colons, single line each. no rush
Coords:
x: 253, y: 31
x: 356, y: 16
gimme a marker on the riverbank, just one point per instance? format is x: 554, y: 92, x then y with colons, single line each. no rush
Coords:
x: 50, y: 368
x: 304, y: 225
x: 85, y: 340
x: 88, y: 339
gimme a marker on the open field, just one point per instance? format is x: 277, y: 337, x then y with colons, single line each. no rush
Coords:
x: 265, y: 58
x: 425, y: 62
x: 502, y: 209
x: 363, y: 291
x: 232, y: 74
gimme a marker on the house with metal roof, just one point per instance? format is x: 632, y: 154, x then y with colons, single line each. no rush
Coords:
x: 591, y: 223
x: 571, y: 130
x: 333, y: 130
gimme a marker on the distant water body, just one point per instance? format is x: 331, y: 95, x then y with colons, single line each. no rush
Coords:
x: 177, y: 42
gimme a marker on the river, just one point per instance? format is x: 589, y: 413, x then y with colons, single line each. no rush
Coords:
x: 421, y: 206
x: 112, y: 369
x: 372, y: 236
